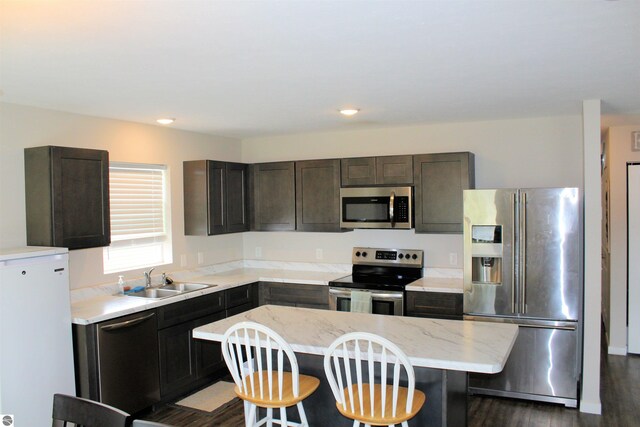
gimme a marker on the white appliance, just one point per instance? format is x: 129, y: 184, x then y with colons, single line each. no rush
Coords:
x: 36, y: 350
x: 633, y: 239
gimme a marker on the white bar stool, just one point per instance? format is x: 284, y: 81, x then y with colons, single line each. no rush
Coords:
x: 245, y: 347
x: 365, y: 401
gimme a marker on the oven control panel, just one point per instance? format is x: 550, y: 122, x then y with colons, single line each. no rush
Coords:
x: 385, y: 256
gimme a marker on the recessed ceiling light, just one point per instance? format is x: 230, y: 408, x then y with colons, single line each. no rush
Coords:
x: 349, y: 111
x: 165, y: 121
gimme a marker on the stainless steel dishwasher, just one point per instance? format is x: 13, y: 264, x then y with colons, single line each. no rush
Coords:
x: 128, y: 370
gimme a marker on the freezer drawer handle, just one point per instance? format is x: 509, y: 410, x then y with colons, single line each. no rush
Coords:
x: 563, y: 328
x: 126, y: 324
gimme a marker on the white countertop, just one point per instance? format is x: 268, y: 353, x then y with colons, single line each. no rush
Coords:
x: 436, y: 284
x: 432, y: 343
x: 105, y: 306
x: 91, y: 305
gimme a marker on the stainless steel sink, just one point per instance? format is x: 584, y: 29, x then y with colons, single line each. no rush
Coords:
x: 154, y: 293
x: 186, y: 287
x: 171, y: 290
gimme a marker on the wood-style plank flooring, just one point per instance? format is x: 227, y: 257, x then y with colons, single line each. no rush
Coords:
x: 620, y: 394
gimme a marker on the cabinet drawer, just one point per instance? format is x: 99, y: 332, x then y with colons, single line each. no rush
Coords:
x: 434, y: 304
x: 190, y: 309
x: 293, y: 294
x: 240, y: 295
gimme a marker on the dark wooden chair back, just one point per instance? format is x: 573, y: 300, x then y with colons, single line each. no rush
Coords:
x: 86, y: 413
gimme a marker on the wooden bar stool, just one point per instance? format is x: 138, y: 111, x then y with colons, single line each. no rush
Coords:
x: 365, y: 401
x: 248, y: 349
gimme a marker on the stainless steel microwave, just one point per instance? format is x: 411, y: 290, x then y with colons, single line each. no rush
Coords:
x: 376, y: 207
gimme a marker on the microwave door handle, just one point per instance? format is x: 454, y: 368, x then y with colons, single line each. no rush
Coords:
x: 391, y: 203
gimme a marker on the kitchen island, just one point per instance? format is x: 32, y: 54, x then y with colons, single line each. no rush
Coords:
x: 441, y: 351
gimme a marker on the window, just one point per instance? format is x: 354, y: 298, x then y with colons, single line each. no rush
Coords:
x: 140, y: 217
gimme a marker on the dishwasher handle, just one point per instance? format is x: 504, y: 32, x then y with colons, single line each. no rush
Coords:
x: 127, y: 323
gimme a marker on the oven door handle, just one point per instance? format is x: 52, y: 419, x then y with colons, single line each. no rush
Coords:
x: 375, y: 294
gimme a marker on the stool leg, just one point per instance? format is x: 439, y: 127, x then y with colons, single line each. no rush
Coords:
x: 283, y: 416
x: 356, y: 423
x: 303, y: 416
x: 250, y: 420
x: 269, y: 417
x: 405, y: 424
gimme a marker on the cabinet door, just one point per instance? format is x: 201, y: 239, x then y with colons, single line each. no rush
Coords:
x: 236, y: 196
x: 177, y: 369
x: 358, y: 171
x: 273, y: 206
x: 396, y: 170
x: 208, y: 354
x: 67, y: 197
x: 318, y: 195
x: 439, y: 181
x: 216, y: 177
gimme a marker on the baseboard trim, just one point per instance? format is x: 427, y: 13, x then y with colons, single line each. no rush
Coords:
x: 618, y: 351
x: 591, y: 407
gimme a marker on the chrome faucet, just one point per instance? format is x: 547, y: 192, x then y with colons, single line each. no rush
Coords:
x: 147, y: 278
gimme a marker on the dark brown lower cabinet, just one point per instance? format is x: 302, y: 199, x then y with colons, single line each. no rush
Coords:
x: 439, y: 305
x: 294, y: 295
x: 187, y: 363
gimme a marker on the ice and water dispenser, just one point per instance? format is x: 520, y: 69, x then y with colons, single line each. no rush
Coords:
x: 486, y: 254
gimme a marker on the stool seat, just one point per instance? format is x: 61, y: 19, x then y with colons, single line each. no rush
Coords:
x: 307, y: 384
x: 376, y: 418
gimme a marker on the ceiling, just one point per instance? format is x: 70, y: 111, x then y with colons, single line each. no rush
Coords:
x: 255, y: 68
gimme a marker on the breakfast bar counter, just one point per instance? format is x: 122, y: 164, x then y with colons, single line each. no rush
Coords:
x: 441, y: 351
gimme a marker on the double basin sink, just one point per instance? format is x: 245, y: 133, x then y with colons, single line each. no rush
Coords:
x: 171, y: 290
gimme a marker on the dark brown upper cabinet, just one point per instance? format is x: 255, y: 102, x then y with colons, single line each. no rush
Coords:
x: 318, y: 195
x: 439, y: 181
x: 215, y: 197
x: 384, y: 170
x: 273, y: 196
x: 67, y: 197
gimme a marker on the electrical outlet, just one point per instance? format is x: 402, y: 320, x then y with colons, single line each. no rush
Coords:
x: 200, y: 258
x: 453, y: 258
x: 183, y: 260
x: 258, y: 252
x: 319, y: 254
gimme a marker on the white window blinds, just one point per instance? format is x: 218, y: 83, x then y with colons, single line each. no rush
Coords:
x: 137, y: 195
x: 140, y: 217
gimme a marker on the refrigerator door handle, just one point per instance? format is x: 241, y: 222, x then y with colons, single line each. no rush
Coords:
x: 523, y: 252
x: 514, y: 273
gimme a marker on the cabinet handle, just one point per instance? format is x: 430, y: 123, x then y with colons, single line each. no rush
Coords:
x: 127, y: 323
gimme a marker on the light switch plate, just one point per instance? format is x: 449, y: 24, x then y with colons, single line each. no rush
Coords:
x: 635, y: 146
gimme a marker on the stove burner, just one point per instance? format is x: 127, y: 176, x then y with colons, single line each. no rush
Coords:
x: 382, y: 269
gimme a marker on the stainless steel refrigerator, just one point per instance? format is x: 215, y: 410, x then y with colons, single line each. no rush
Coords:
x: 523, y: 265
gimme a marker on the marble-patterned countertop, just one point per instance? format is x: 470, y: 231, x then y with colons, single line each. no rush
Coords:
x: 101, y: 304
x: 96, y: 304
x: 432, y: 343
x: 436, y: 284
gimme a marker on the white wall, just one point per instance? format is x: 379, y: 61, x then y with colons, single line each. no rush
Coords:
x: 22, y: 127
x: 535, y: 152
x: 619, y: 141
x: 590, y: 398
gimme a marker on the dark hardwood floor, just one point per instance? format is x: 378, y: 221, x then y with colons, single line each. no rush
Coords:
x: 620, y: 395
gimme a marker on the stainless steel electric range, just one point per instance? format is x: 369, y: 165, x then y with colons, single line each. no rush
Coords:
x: 384, y: 273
